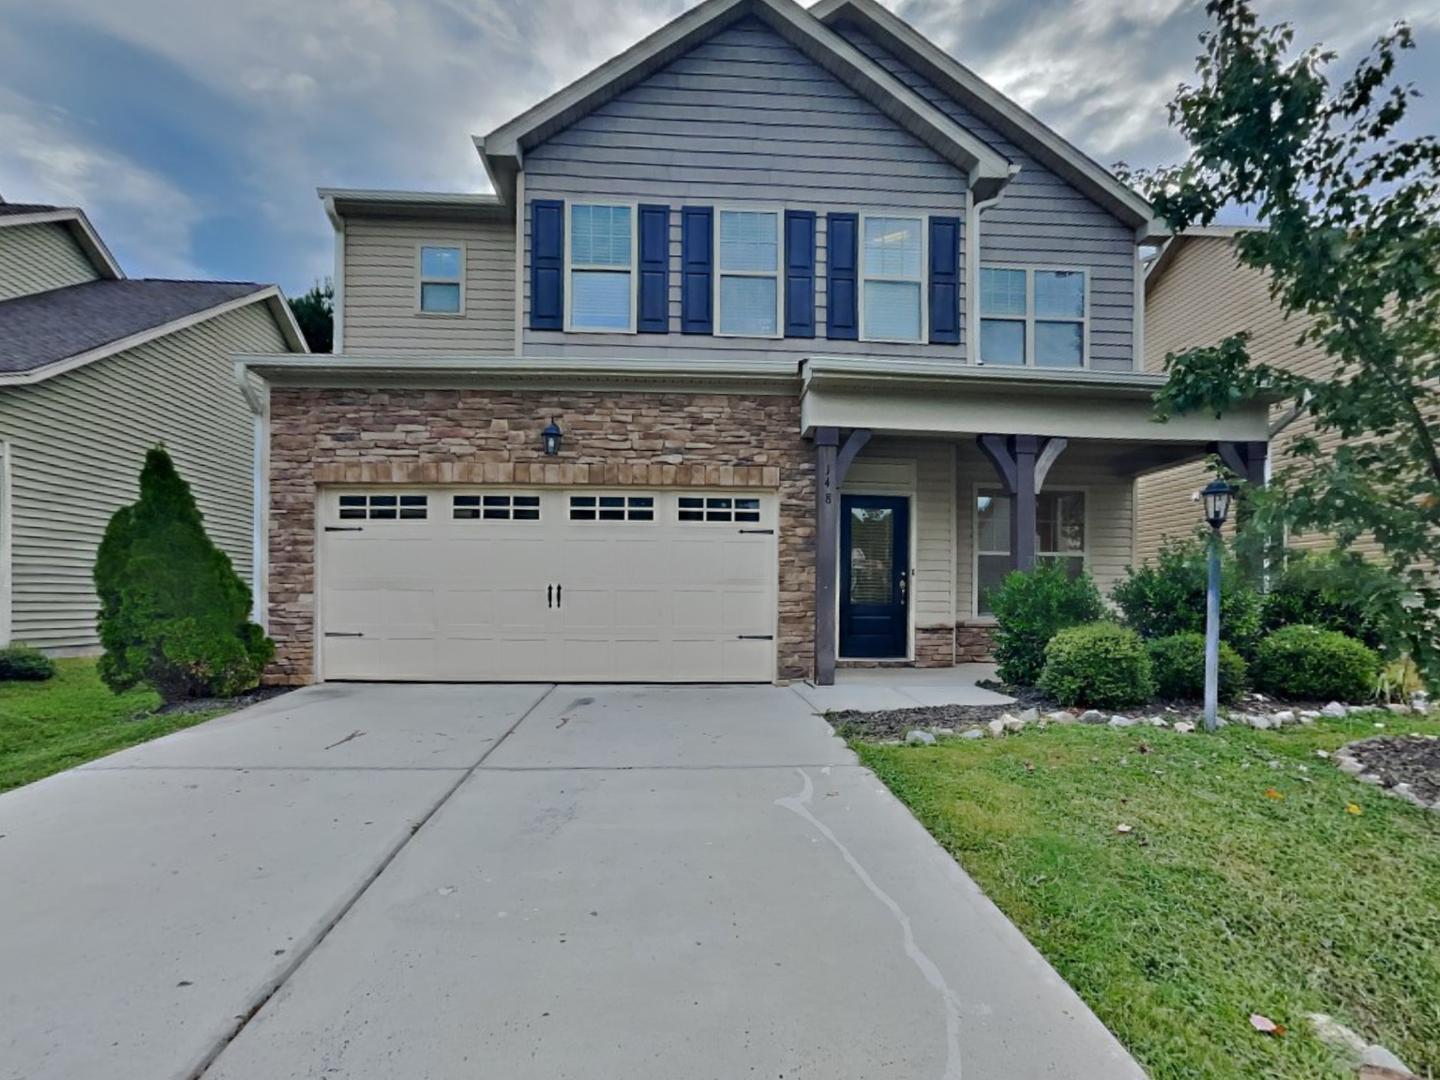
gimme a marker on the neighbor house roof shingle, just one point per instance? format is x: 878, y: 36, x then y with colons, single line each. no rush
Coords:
x: 45, y: 328
x: 7, y: 209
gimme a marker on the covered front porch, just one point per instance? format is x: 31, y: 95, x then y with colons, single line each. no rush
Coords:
x: 934, y: 482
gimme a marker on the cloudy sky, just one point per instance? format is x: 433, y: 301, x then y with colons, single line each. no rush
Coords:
x: 196, y: 131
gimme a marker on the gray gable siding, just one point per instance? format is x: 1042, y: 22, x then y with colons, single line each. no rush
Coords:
x: 744, y: 118
x: 1042, y: 219
x: 37, y: 258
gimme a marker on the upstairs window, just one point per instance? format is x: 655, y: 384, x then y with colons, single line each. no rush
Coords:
x: 442, y: 280
x: 893, y: 279
x: 749, y: 273
x: 1033, y: 316
x: 602, y: 267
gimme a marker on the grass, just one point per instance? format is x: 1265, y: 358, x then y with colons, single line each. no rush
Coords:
x: 46, y: 727
x: 1245, y: 886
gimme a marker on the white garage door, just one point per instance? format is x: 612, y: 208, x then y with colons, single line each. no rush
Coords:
x: 582, y: 586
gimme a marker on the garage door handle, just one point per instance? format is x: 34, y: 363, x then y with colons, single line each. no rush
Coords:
x: 337, y: 633
x: 559, y: 602
x: 755, y: 637
x: 549, y: 596
x: 761, y: 532
x: 344, y: 528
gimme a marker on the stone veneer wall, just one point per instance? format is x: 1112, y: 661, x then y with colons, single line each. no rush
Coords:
x: 615, y: 439
x: 974, y: 643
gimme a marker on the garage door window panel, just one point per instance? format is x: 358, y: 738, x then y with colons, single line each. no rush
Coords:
x: 496, y: 508
x: 717, y: 510
x: 388, y: 507
x: 612, y: 508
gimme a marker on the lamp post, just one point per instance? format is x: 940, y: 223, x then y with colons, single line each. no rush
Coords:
x: 1216, y: 497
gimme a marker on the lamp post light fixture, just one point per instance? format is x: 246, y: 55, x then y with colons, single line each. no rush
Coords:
x: 551, y: 438
x: 1216, y: 497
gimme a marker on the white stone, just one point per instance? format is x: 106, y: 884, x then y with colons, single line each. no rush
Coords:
x: 1030, y: 715
x: 1334, y: 709
x: 997, y: 727
x: 1184, y: 727
x: 1322, y: 753
x: 1015, y: 723
x: 1092, y: 716
x: 1060, y: 716
x: 1396, y: 708
x: 1337, y: 1036
x: 1378, y: 1057
x: 1123, y: 721
x: 939, y: 732
x: 1259, y: 722
x: 1284, y: 716
x: 1157, y: 721
x: 920, y: 738
x: 972, y: 733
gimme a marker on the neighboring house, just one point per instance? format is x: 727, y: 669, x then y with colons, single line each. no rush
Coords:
x: 1196, y: 293
x: 819, y: 316
x: 96, y: 368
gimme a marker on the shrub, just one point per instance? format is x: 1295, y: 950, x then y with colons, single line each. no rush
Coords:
x: 173, y: 612
x: 23, y: 662
x: 1309, y: 663
x: 1179, y: 665
x: 1330, y: 590
x: 1167, y: 597
x: 1030, y: 606
x: 1101, y: 664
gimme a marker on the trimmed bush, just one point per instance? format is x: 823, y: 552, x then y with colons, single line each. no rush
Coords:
x: 1330, y: 590
x: 173, y: 612
x: 22, y: 662
x: 1167, y: 597
x: 1101, y: 665
x: 1030, y: 606
x: 1178, y: 662
x: 1309, y: 663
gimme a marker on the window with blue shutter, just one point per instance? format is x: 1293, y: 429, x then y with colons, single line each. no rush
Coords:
x: 800, y: 273
x: 547, y: 264
x: 842, y: 257
x: 654, y: 316
x: 945, y: 280
x: 697, y: 273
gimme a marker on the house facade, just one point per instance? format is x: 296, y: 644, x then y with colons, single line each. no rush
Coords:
x: 95, y: 369
x: 831, y: 336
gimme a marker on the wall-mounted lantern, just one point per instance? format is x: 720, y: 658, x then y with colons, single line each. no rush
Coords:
x: 551, y: 438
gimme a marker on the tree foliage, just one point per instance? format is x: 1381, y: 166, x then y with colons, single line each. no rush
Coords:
x: 315, y: 312
x: 173, y: 612
x: 1350, y: 206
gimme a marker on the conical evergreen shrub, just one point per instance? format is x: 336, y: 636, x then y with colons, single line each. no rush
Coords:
x: 173, y: 612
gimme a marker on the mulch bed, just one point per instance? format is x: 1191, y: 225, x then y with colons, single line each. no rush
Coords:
x: 209, y: 704
x: 1405, y: 765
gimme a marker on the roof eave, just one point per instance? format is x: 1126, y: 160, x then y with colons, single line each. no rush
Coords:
x: 377, y: 202
x: 1048, y: 146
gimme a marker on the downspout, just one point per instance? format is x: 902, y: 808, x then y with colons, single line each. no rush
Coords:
x: 337, y: 280
x: 973, y: 210
x: 260, y: 494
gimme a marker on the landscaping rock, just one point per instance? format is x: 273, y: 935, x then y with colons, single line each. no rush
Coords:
x: 1259, y: 722
x: 1184, y: 727
x: 920, y: 738
x: 1060, y: 716
x: 1420, y: 701
x: 1157, y: 721
x: 1123, y: 721
x: 1284, y: 716
x: 1030, y: 716
x: 997, y: 727
x: 1397, y: 708
x: 1092, y: 716
x: 1337, y: 1037
x: 1377, y: 1057
x: 942, y: 732
x: 1014, y: 724
x: 1334, y: 710
x: 972, y: 733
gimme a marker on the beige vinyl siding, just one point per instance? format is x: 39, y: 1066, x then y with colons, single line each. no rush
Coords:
x: 926, y: 472
x: 38, y: 258
x: 77, y: 442
x: 381, y: 276
x: 1202, y: 297
x: 1109, y: 516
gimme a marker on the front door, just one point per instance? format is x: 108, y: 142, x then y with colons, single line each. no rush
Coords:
x: 874, y: 576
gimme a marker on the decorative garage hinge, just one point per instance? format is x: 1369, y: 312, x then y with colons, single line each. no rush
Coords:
x: 755, y: 637
x: 344, y: 528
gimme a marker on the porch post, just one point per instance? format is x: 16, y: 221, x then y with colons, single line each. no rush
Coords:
x: 831, y: 464
x: 1245, y: 459
x: 1021, y: 462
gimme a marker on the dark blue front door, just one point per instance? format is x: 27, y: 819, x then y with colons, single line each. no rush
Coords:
x: 874, y: 576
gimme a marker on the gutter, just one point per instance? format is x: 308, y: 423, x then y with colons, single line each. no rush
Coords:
x: 973, y: 209
x: 259, y: 404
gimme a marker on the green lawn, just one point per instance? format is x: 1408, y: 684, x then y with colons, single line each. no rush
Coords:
x: 73, y: 718
x: 1245, y: 886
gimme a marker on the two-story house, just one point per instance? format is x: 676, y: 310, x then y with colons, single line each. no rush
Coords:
x: 782, y: 338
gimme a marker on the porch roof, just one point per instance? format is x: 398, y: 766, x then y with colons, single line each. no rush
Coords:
x: 900, y: 397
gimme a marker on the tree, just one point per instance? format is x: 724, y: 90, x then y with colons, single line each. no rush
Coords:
x: 315, y: 312
x: 173, y: 612
x: 1350, y: 206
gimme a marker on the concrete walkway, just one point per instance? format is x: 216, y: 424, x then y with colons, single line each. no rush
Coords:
x: 885, y: 688
x: 526, y: 882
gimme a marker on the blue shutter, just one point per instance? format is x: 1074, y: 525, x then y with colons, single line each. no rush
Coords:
x: 800, y: 273
x: 547, y: 264
x: 697, y: 293
x: 654, y: 316
x: 945, y: 280
x: 842, y: 266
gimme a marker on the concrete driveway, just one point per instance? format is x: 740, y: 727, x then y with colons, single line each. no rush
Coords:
x: 508, y: 881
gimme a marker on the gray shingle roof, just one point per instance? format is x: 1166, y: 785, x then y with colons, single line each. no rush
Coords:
x: 52, y: 326
x: 8, y: 208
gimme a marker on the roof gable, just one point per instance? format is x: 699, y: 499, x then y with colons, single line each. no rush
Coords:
x: 17, y: 214
x: 1034, y: 137
x: 503, y: 149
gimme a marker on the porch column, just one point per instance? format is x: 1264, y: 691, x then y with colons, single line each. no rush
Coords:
x: 1021, y: 462
x: 832, y: 462
x: 1245, y: 459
